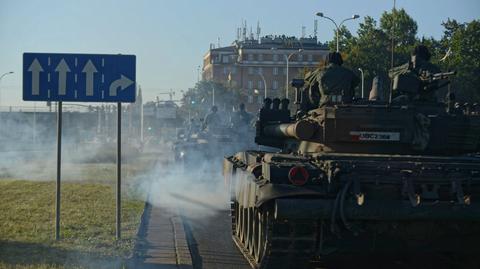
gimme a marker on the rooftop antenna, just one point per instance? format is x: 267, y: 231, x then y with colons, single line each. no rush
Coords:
x: 218, y: 42
x: 315, y: 28
x: 251, y: 33
x: 244, y: 30
x: 239, y: 30
x: 303, y: 31
x: 258, y: 31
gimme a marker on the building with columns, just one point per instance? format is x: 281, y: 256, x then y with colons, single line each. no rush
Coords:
x: 254, y: 66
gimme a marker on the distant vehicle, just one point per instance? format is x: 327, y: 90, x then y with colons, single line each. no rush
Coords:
x: 360, y: 177
x: 205, y: 149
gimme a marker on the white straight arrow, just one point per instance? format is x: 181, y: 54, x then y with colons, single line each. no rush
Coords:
x: 62, y: 69
x: 123, y: 82
x: 89, y: 70
x: 35, y: 68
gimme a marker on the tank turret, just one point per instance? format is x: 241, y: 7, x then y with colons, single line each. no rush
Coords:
x: 415, y: 127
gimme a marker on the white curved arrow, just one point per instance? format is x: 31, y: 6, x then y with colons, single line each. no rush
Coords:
x: 89, y: 70
x: 123, y: 82
x: 35, y: 68
x: 62, y: 69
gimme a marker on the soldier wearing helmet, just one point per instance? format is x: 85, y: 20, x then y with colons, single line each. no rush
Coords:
x: 332, y: 84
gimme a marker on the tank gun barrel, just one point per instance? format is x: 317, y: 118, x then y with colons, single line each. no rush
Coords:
x: 302, y: 130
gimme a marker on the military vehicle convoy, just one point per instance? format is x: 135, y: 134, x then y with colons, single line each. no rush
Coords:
x: 359, y: 177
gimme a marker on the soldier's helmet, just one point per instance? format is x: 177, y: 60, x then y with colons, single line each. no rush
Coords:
x: 334, y: 58
x: 422, y: 52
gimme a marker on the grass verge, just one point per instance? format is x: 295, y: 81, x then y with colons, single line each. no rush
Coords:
x: 27, y: 212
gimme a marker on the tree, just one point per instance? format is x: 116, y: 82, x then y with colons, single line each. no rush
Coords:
x: 198, y: 100
x: 369, y: 51
x: 463, y: 39
x: 399, y: 25
x: 345, y: 39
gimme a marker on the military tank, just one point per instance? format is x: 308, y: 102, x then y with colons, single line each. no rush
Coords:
x: 357, y: 178
x: 205, y: 148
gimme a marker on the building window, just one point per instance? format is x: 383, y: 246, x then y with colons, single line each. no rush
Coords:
x: 259, y: 85
x: 234, y: 70
x: 250, y: 99
x: 300, y: 57
x: 260, y: 70
x: 260, y: 99
x: 260, y: 57
x: 225, y: 59
x: 250, y: 57
x: 225, y: 70
x: 310, y: 57
x: 250, y: 84
x: 275, y: 85
x: 275, y: 57
x: 250, y: 70
x: 284, y: 71
x: 275, y: 71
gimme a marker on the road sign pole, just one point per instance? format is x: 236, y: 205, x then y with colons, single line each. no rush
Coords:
x: 59, y: 162
x: 119, y: 169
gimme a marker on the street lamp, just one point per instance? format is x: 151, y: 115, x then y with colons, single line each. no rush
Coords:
x: 363, y: 92
x: 320, y: 14
x: 8, y: 73
x: 288, y: 60
x: 264, y: 84
x: 213, y: 94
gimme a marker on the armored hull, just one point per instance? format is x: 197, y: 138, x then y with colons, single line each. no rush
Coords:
x: 288, y: 211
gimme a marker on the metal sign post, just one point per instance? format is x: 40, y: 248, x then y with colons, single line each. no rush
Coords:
x: 59, y: 163
x: 80, y: 78
x: 119, y: 170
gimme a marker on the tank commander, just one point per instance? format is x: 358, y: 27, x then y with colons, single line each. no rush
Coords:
x: 332, y: 84
x: 411, y: 73
x: 212, y: 119
x: 241, y: 118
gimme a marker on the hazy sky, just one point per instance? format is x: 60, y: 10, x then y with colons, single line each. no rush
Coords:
x: 170, y: 37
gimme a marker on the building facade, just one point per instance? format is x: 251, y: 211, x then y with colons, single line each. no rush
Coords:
x: 257, y: 66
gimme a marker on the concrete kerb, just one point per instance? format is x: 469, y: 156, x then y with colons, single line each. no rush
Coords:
x: 180, y: 243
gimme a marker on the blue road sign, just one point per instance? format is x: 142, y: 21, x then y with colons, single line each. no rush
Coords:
x: 78, y: 77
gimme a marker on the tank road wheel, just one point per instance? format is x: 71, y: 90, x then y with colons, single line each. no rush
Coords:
x: 243, y: 224
x: 252, y: 229
x: 260, y: 237
x: 236, y: 232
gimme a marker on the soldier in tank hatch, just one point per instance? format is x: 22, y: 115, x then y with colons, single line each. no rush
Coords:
x: 332, y: 84
x: 212, y: 119
x: 408, y: 77
x: 241, y: 118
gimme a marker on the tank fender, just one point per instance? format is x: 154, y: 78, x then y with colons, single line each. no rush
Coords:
x: 270, y: 191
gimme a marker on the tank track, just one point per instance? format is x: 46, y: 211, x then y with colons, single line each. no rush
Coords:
x: 267, y: 243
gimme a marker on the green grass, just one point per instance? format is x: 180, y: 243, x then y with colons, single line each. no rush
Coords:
x: 27, y: 218
x: 27, y: 211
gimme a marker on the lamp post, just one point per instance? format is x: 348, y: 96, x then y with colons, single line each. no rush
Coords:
x: 288, y: 60
x: 363, y: 92
x: 213, y: 94
x: 320, y: 14
x: 8, y: 73
x: 264, y: 84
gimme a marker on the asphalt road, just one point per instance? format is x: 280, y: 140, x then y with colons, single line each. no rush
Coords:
x: 210, y: 242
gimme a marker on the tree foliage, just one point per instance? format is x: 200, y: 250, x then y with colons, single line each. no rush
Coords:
x: 198, y: 100
x: 371, y: 48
